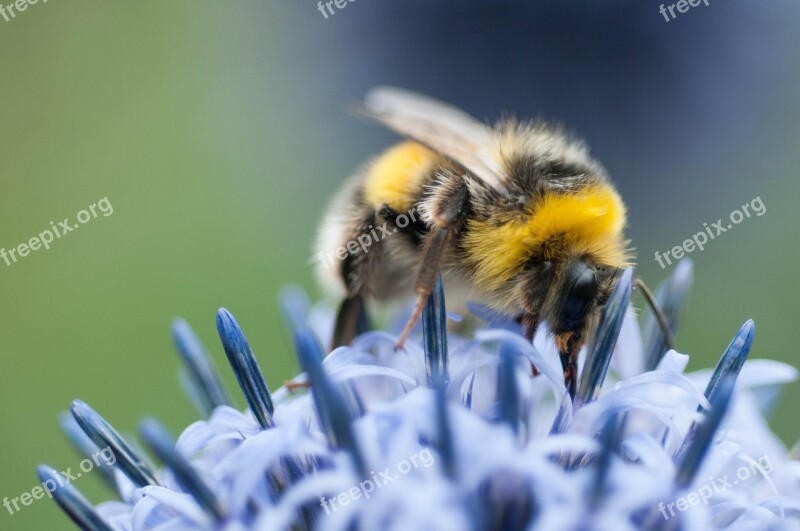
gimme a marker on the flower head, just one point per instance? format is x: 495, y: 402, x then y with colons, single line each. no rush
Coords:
x: 457, y: 433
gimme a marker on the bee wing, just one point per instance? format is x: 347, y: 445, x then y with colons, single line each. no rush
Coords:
x: 440, y: 126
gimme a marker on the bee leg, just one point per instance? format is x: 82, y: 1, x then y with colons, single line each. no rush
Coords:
x: 639, y: 284
x: 569, y: 344
x: 428, y: 272
x: 447, y: 210
x: 530, y: 322
x: 294, y: 386
x: 351, y: 320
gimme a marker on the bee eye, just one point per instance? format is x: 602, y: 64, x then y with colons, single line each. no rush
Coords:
x: 583, y: 285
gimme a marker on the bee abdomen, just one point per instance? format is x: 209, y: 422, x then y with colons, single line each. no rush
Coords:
x: 396, y: 178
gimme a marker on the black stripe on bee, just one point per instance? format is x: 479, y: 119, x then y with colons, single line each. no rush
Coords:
x: 415, y: 228
x: 534, y: 173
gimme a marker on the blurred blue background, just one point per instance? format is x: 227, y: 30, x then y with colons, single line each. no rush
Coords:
x: 218, y: 132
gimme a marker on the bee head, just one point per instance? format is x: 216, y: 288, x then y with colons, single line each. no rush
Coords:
x: 569, y: 294
x: 577, y: 296
x: 581, y: 295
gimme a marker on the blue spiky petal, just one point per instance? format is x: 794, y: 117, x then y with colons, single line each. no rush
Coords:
x: 128, y: 460
x: 246, y: 368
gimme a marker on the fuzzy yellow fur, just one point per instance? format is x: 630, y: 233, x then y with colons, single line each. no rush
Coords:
x: 553, y: 227
x: 394, y: 177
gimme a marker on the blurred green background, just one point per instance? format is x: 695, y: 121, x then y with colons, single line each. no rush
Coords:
x: 218, y: 131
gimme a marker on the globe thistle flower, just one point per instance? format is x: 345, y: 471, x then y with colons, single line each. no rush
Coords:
x: 456, y: 433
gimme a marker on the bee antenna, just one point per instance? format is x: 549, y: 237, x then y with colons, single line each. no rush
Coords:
x: 639, y: 284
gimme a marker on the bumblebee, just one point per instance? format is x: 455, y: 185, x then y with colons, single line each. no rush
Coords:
x: 517, y: 215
